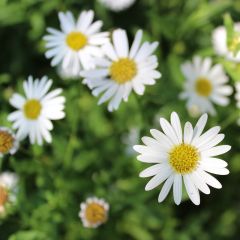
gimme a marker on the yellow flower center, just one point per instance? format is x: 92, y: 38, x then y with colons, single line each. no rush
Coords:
x: 184, y: 158
x: 203, y: 87
x: 6, y: 142
x: 234, y: 44
x: 3, y: 196
x: 95, y: 213
x: 32, y: 109
x: 123, y: 70
x: 76, y: 40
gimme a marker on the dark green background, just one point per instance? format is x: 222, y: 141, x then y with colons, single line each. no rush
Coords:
x: 87, y: 156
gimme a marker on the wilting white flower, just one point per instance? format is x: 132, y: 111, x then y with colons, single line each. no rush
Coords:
x: 8, y: 141
x: 8, y: 190
x: 78, y: 42
x: 183, y: 156
x: 36, y: 110
x: 219, y: 39
x: 94, y: 212
x: 205, y: 84
x: 123, y: 70
x: 117, y: 5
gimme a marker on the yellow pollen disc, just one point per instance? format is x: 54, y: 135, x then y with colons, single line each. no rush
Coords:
x: 234, y: 43
x: 95, y: 213
x: 3, y: 196
x: 184, y: 158
x: 6, y: 142
x: 123, y: 70
x: 76, y: 40
x: 203, y: 87
x: 32, y: 109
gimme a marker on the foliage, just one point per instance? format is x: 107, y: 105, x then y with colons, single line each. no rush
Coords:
x: 88, y: 156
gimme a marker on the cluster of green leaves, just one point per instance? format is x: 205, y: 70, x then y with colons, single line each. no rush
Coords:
x: 87, y: 156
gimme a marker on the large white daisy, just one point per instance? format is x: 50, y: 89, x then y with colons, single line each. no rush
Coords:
x: 219, y: 39
x: 94, y: 212
x: 205, y: 84
x: 78, y: 42
x: 36, y: 110
x: 8, y: 190
x: 8, y: 141
x: 117, y: 5
x: 123, y: 70
x: 183, y: 156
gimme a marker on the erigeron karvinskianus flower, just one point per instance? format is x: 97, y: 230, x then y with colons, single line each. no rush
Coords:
x: 36, y: 109
x: 183, y: 156
x: 117, y: 5
x: 94, y: 212
x: 78, y: 42
x: 123, y: 69
x: 205, y: 84
x: 8, y: 190
x: 219, y: 39
x: 8, y: 141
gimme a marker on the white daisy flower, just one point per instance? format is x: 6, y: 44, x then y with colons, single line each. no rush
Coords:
x: 8, y: 190
x: 8, y: 141
x: 94, y: 212
x: 118, y: 5
x: 123, y: 70
x: 183, y: 155
x: 36, y: 110
x: 219, y: 39
x: 78, y: 42
x: 205, y: 84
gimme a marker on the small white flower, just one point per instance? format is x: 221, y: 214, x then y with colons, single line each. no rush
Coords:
x: 219, y: 39
x: 183, y: 154
x: 205, y: 84
x: 8, y: 190
x: 123, y: 70
x: 94, y: 212
x: 78, y: 42
x: 8, y: 141
x: 36, y: 110
x: 117, y: 5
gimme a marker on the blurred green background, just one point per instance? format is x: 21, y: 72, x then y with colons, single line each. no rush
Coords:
x: 89, y: 154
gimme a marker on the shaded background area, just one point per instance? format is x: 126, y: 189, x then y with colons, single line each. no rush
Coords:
x: 88, y: 155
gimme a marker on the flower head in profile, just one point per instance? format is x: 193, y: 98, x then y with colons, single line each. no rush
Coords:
x: 183, y: 156
x: 78, y: 42
x: 94, y: 212
x: 123, y: 69
x: 36, y: 109
x: 205, y: 84
x: 8, y: 190
x: 219, y: 39
x: 118, y: 5
x: 8, y: 141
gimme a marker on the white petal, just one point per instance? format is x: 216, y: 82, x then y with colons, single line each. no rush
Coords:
x: 210, y: 180
x: 199, y: 182
x: 200, y: 125
x: 151, y: 171
x: 168, y: 130
x: 177, y: 188
x: 159, y: 178
x: 188, y: 133
x: 120, y: 42
x: 165, y: 189
x: 215, y: 151
x: 192, y: 191
x: 175, y: 122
